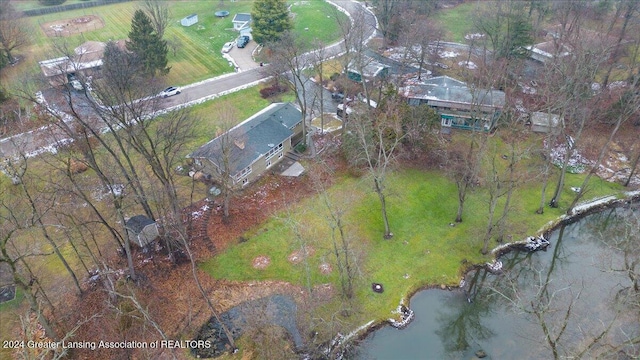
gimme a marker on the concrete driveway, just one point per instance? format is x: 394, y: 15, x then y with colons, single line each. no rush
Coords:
x: 242, y: 57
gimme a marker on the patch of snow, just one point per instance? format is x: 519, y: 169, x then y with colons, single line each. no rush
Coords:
x: 114, y: 189
x: 448, y: 54
x: 617, y: 85
x: 526, y: 89
x: 468, y: 64
x: 577, y: 163
x: 474, y: 36
x: 198, y: 213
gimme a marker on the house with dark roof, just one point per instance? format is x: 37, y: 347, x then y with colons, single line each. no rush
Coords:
x: 370, y: 70
x: 141, y: 230
x: 241, y: 21
x: 253, y: 146
x: 459, y: 105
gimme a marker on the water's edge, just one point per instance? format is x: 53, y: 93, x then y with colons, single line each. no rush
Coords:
x: 579, y: 212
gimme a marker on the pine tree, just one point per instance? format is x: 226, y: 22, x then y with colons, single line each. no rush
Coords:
x: 270, y: 20
x: 147, y: 45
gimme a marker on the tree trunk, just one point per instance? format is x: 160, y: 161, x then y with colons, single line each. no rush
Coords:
x: 383, y: 208
x: 633, y: 170
x: 461, y: 197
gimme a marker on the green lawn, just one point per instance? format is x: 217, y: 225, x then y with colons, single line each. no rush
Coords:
x: 197, y: 56
x: 425, y: 249
x: 456, y: 21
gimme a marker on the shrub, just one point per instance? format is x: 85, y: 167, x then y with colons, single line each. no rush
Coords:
x: 51, y: 2
x: 334, y: 76
x: 272, y: 90
x: 301, y: 148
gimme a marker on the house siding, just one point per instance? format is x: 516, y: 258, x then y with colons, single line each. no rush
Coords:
x: 260, y: 165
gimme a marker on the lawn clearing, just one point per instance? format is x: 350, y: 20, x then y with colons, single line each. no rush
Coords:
x: 456, y: 21
x: 425, y: 250
x: 194, y: 51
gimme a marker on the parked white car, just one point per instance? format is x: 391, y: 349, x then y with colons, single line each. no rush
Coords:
x: 170, y: 91
x: 227, y: 47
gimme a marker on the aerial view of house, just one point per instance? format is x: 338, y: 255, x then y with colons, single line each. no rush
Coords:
x: 272, y: 179
x: 254, y: 145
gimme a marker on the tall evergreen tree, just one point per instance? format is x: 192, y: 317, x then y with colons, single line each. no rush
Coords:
x: 147, y: 45
x: 270, y: 20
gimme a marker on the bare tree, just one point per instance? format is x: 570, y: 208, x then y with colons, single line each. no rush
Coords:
x: 418, y: 38
x: 626, y: 106
x: 629, y: 11
x: 158, y: 12
x: 378, y: 137
x: 318, y: 59
x: 288, y: 63
x: 578, y: 72
x: 343, y: 246
x: 14, y: 33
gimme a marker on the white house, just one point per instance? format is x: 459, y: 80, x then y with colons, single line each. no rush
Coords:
x: 241, y: 21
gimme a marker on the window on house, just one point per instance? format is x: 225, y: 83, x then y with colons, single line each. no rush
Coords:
x: 243, y: 173
x: 274, y: 150
x: 245, y: 181
x: 268, y: 163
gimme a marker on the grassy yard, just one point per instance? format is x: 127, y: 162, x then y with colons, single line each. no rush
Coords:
x: 425, y: 249
x: 197, y: 48
x: 456, y: 21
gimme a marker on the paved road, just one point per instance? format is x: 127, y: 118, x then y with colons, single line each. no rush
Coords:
x: 40, y: 140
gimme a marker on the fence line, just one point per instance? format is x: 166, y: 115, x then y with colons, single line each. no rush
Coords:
x: 60, y: 8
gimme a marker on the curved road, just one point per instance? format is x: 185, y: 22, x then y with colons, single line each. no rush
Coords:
x: 40, y: 140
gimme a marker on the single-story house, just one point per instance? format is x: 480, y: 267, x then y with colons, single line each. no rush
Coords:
x: 371, y: 69
x: 86, y: 59
x: 253, y: 146
x: 459, y: 106
x: 241, y: 21
x: 558, y: 43
x: 189, y: 20
x: 141, y: 230
x: 542, y: 122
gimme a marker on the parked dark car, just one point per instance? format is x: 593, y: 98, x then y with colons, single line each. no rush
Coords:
x: 242, y: 41
x: 337, y: 96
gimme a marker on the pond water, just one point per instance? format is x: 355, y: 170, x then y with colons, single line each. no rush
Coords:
x: 553, y: 302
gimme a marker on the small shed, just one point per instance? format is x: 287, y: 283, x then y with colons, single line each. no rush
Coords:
x: 141, y: 230
x: 189, y: 20
x: 241, y: 21
x: 542, y: 122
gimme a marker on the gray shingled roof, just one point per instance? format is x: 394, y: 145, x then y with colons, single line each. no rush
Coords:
x: 257, y: 135
x: 242, y: 17
x: 449, y: 89
x: 137, y: 223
